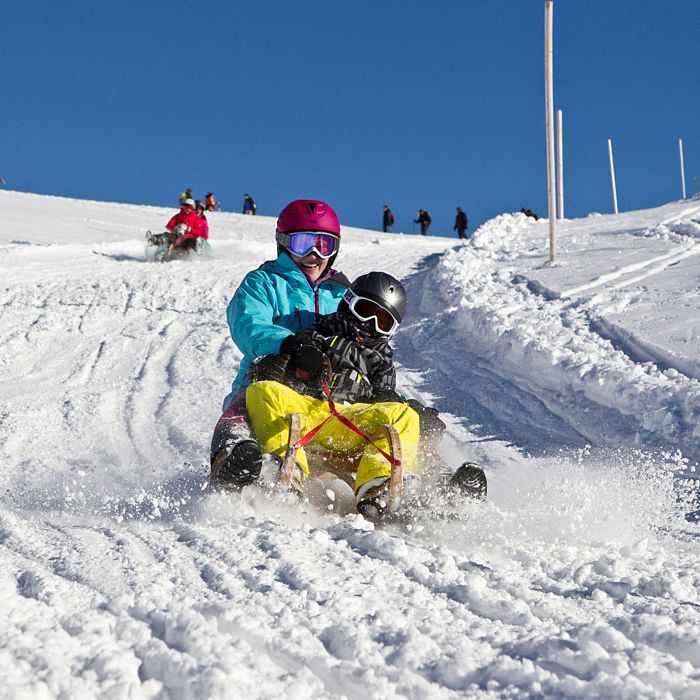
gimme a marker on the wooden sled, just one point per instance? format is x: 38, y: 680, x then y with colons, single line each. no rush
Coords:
x: 325, y: 463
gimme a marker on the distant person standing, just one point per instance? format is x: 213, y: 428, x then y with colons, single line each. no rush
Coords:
x: 530, y: 213
x: 210, y: 202
x: 461, y: 224
x: 387, y: 220
x: 187, y: 194
x: 249, y: 206
x: 424, y: 220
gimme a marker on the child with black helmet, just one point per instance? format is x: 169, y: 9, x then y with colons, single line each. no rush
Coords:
x: 346, y: 357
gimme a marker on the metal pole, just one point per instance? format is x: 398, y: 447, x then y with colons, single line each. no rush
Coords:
x: 680, y: 149
x: 612, y: 175
x: 560, y: 166
x: 549, y: 125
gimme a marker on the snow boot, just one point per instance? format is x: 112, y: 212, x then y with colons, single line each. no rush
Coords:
x: 470, y: 480
x: 372, y: 498
x: 237, y: 466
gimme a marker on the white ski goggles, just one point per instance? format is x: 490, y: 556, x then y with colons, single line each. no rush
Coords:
x: 366, y: 310
x: 302, y: 243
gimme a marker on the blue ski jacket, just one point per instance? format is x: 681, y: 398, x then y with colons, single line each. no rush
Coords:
x: 275, y: 301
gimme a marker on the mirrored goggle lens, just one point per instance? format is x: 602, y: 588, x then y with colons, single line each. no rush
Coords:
x: 323, y: 244
x: 365, y: 309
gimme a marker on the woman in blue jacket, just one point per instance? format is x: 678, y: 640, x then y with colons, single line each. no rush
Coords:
x: 272, y: 304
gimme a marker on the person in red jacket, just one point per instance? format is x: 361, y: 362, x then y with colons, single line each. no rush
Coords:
x: 187, y: 224
x: 204, y: 224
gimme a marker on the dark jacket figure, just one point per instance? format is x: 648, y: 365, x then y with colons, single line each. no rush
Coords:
x: 530, y: 213
x: 187, y: 194
x: 387, y: 220
x: 461, y: 224
x: 362, y: 372
x: 359, y: 372
x: 424, y: 220
x: 249, y: 206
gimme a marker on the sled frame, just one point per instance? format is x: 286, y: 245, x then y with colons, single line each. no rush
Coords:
x: 396, y: 478
x: 284, y: 478
x: 321, y: 462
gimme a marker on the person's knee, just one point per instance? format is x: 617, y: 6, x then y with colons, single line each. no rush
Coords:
x: 400, y: 415
x: 268, y: 392
x: 269, y: 400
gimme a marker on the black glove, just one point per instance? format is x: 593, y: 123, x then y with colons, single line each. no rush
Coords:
x: 292, y: 343
x: 270, y: 368
x: 307, y: 361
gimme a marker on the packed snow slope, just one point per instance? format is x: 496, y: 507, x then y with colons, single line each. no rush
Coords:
x: 575, y: 384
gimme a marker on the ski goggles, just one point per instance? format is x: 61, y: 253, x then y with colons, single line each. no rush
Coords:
x: 367, y: 310
x: 302, y: 243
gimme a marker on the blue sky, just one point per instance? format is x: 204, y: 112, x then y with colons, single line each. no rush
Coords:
x: 413, y: 104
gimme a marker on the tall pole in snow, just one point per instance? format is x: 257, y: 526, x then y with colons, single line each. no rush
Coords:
x: 549, y: 124
x: 680, y: 149
x: 612, y: 174
x: 560, y: 166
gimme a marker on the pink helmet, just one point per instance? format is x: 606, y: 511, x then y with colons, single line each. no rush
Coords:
x: 306, y: 215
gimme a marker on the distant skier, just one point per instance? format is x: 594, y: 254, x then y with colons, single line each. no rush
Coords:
x: 388, y: 219
x: 424, y: 220
x: 530, y: 213
x: 210, y: 202
x: 249, y: 206
x: 187, y: 194
x: 461, y: 224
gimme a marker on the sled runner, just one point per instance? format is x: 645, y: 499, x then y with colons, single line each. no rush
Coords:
x: 325, y: 463
x: 286, y: 473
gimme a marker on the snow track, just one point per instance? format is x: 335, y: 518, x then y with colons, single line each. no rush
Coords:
x: 631, y: 273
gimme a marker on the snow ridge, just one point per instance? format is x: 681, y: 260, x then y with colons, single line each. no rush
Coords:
x: 551, y: 347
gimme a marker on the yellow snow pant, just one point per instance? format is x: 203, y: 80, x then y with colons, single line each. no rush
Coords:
x: 270, y: 403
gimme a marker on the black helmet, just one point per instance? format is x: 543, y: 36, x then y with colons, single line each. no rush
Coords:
x: 382, y: 291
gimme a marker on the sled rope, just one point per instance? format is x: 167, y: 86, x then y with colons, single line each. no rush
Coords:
x: 305, y: 439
